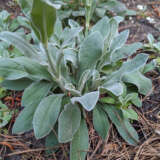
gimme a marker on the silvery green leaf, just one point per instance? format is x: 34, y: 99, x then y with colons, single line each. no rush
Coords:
x: 23, y: 21
x: 100, y: 121
x: 150, y: 66
x: 129, y: 97
x: 83, y: 79
x: 59, y: 61
x: 80, y: 143
x: 134, y: 64
x: 26, y: 6
x: 69, y: 34
x: 17, y: 85
x: 31, y: 102
x: 119, y: 41
x: 114, y: 6
x: 129, y: 66
x: 130, y: 114
x: 102, y: 26
x: 119, y: 19
x: 125, y: 51
x: 58, y: 29
x: 78, y: 13
x: 46, y: 115
x: 34, y: 93
x: 69, y: 87
x: 115, y: 88
x: 68, y: 123
x: 71, y: 56
x: 90, y: 51
x: 10, y: 70
x: 136, y: 100
x: 62, y: 14
x: 26, y: 49
x: 108, y: 100
x: 51, y: 141
x: 113, y: 28
x: 33, y: 68
x: 88, y: 100
x: 53, y: 4
x: 73, y: 24
x: 54, y: 51
x: 150, y: 39
x: 122, y: 124
x: 143, y: 84
x: 157, y: 46
x: 4, y: 15
x: 100, y: 12
x: 96, y: 80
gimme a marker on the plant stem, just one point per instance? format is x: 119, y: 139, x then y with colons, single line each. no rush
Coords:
x: 88, y: 15
x: 50, y: 60
x: 56, y: 77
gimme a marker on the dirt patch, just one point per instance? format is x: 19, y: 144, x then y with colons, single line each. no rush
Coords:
x: 139, y: 25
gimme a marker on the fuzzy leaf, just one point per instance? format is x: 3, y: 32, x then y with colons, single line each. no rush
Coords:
x: 143, y: 84
x: 10, y: 70
x: 134, y: 64
x: 119, y: 41
x: 150, y: 39
x: 17, y: 85
x: 22, y: 67
x: 80, y: 143
x: 136, y: 101
x: 114, y: 88
x: 88, y: 100
x: 113, y: 27
x: 125, y: 51
x: 83, y: 79
x: 33, y: 68
x: 69, y: 34
x: 100, y: 122
x: 108, y: 100
x: 25, y: 5
x: 128, y: 67
x: 25, y: 48
x: 51, y: 141
x: 46, y: 115
x: 90, y: 51
x: 130, y: 114
x: 122, y: 124
x: 26, y: 116
x: 68, y: 123
x: 70, y: 56
x: 69, y: 87
x: 58, y: 28
x: 150, y: 66
x: 102, y: 26
x: 34, y: 93
x: 115, y: 6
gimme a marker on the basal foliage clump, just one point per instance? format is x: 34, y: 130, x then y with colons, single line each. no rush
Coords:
x: 69, y: 73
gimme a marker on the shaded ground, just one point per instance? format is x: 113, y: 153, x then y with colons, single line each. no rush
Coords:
x: 138, y: 25
x: 25, y: 147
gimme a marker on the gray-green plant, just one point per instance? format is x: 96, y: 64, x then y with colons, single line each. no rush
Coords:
x: 153, y: 45
x: 5, y: 115
x: 77, y: 8
x: 16, y: 25
x: 75, y: 70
